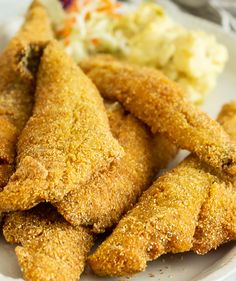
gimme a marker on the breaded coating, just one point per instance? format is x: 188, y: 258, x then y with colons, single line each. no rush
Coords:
x: 51, y: 248
x: 66, y: 140
x: 162, y: 105
x: 227, y: 119
x: 101, y: 202
x: 17, y: 84
x: 164, y: 220
x: 37, y: 25
x: 171, y: 216
x: 217, y: 220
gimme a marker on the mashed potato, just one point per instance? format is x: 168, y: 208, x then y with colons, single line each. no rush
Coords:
x: 194, y: 59
x: 146, y: 36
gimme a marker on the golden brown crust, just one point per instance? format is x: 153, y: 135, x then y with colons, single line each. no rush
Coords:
x: 161, y: 104
x: 217, y: 220
x: 16, y: 89
x: 37, y: 25
x: 227, y: 119
x: 190, y: 207
x: 66, y: 140
x: 164, y: 220
x: 51, y: 248
x: 101, y: 202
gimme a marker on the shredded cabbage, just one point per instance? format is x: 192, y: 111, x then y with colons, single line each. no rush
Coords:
x: 146, y: 36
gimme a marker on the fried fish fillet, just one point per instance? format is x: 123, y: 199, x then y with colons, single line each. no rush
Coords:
x: 17, y: 85
x: 162, y: 105
x: 51, y: 248
x: 37, y: 25
x: 101, y: 202
x: 217, y: 220
x: 67, y: 139
x: 166, y: 217
x: 227, y: 119
x: 164, y: 220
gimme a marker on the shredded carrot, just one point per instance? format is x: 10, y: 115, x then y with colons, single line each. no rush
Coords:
x: 104, y: 6
x: 63, y: 32
x: 95, y: 41
x: 68, y: 24
x: 108, y: 7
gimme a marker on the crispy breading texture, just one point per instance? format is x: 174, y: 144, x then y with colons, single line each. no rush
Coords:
x: 227, y: 119
x: 17, y: 85
x: 217, y: 220
x: 66, y: 140
x: 101, y: 202
x: 166, y: 219
x: 162, y: 105
x: 51, y: 248
x: 37, y: 25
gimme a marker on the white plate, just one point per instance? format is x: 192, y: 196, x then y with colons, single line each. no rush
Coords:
x: 216, y: 266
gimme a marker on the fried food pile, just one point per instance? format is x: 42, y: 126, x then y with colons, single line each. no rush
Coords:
x: 73, y: 165
x: 66, y: 141
x: 162, y: 105
x: 51, y: 248
x: 94, y: 205
x: 17, y: 83
x: 188, y: 208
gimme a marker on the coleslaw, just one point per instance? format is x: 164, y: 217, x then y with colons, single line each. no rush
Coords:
x: 145, y: 35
